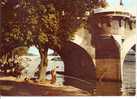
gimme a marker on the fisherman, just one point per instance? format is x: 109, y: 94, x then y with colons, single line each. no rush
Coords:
x: 53, y: 75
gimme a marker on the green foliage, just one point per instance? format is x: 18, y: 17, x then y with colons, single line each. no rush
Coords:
x: 41, y: 22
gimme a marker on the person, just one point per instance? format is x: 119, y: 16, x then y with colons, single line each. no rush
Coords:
x: 11, y: 66
x: 18, y: 70
x: 5, y: 68
x: 53, y: 75
x: 1, y: 64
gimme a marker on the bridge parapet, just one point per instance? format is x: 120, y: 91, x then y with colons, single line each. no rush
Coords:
x: 111, y: 22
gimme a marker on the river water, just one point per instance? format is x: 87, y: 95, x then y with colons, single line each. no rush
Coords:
x: 108, y: 88
x: 104, y: 88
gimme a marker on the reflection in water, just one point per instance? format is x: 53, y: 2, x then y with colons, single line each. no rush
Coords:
x: 108, y: 88
x: 79, y: 83
x: 104, y: 88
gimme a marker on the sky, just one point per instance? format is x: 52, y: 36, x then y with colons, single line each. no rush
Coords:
x: 34, y: 50
x: 130, y: 5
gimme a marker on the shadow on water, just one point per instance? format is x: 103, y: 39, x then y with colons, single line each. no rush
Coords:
x: 104, y: 88
x: 79, y: 83
x: 74, y: 81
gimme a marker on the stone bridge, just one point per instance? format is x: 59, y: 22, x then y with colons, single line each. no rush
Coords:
x: 99, y: 52
x: 113, y: 36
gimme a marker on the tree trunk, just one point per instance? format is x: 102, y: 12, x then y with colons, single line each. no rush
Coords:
x: 6, y: 58
x: 43, y: 64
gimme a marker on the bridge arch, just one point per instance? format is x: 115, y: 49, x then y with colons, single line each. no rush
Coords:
x: 83, y: 38
x: 128, y: 63
x: 127, y: 45
x: 129, y: 71
x: 78, y: 63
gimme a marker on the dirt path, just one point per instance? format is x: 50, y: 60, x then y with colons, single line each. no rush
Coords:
x: 9, y: 86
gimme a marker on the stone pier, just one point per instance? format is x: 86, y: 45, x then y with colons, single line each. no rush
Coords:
x: 112, y: 33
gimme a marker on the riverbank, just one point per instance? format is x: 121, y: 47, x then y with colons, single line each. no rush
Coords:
x: 10, y: 86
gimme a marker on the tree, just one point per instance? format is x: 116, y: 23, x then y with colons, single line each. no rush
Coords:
x: 43, y: 23
x: 9, y: 27
x: 71, y: 13
x: 102, y: 4
x: 29, y: 22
